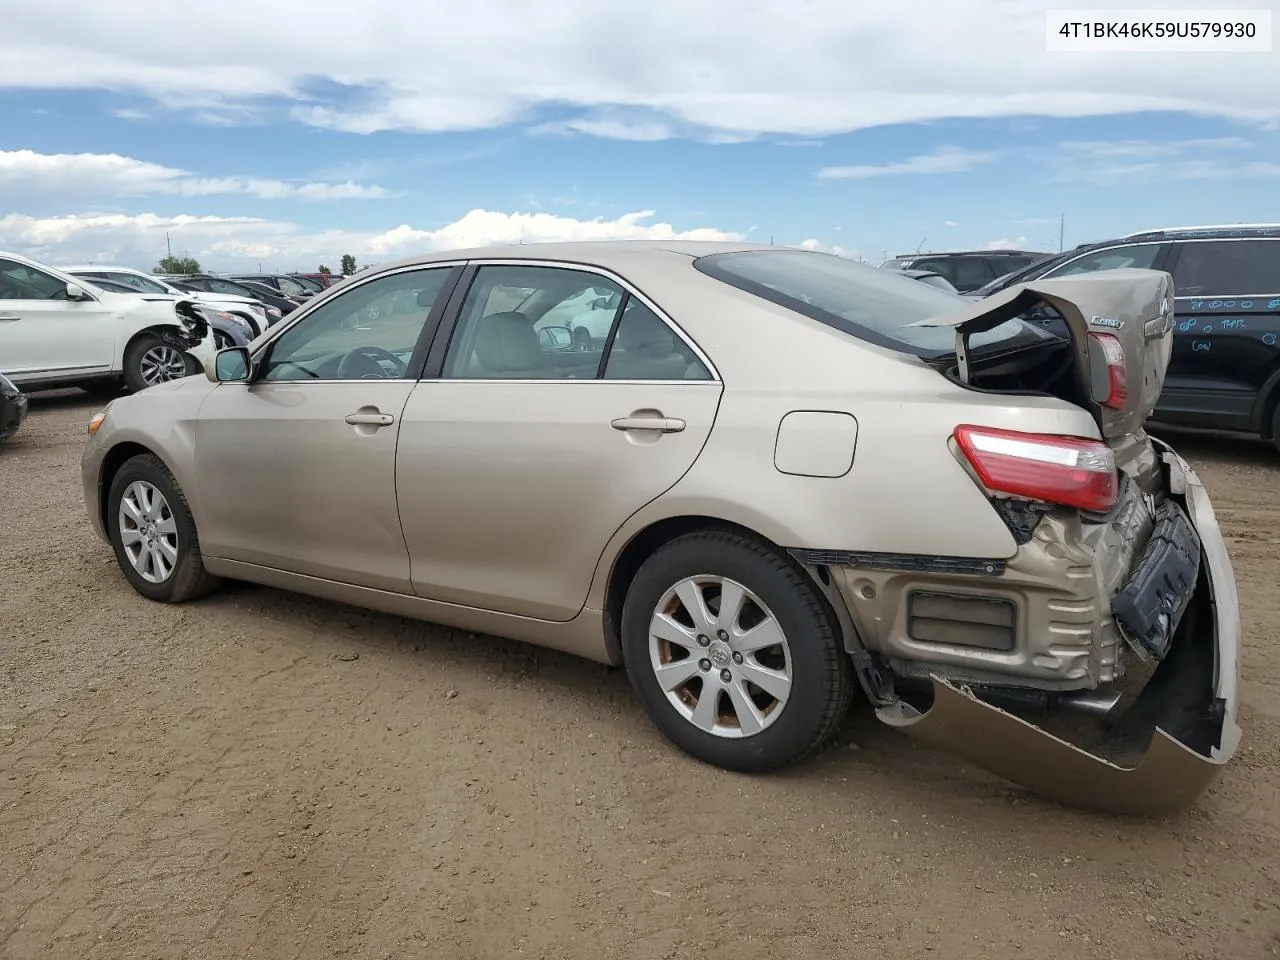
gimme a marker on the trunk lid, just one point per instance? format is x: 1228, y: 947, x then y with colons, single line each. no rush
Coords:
x: 1134, y: 306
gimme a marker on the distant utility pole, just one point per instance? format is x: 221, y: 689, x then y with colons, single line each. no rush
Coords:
x: 1062, y: 226
x: 168, y: 244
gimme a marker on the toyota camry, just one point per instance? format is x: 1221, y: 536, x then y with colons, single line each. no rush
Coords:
x: 779, y: 478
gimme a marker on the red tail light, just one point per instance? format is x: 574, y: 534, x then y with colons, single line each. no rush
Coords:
x: 1071, y: 471
x: 1117, y: 375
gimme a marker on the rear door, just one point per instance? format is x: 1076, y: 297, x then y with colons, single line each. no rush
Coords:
x: 521, y: 456
x: 1226, y: 359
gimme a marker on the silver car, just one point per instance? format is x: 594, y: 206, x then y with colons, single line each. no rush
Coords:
x: 781, y: 478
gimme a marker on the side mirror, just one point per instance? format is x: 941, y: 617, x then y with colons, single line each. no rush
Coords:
x: 230, y: 366
x: 77, y: 292
x: 555, y: 338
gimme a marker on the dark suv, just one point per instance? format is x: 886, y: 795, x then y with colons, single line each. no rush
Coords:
x: 966, y: 270
x: 1224, y: 373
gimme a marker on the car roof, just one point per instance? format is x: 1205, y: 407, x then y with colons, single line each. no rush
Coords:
x: 611, y: 254
x: 106, y: 268
x: 971, y: 253
x: 1237, y: 230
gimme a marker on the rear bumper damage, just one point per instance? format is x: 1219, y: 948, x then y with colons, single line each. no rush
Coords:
x: 1171, y: 741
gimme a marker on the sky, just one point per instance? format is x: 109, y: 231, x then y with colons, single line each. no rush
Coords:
x: 285, y: 135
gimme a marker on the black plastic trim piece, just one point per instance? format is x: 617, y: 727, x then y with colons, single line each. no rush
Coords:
x: 975, y: 566
x: 1150, y: 605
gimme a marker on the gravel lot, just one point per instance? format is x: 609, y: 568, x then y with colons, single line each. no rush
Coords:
x: 264, y: 775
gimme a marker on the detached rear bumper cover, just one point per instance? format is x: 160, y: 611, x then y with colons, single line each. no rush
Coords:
x: 1191, y: 703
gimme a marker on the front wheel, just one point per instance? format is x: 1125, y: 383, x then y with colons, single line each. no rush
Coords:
x: 734, y: 653
x: 153, y: 534
x: 150, y: 360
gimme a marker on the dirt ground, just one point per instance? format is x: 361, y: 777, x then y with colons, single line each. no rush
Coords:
x: 264, y: 775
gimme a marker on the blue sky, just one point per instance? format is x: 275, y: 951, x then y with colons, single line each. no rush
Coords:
x: 358, y: 144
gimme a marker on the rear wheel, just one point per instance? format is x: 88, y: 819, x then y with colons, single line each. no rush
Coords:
x: 149, y: 360
x: 1275, y: 427
x: 153, y: 534
x: 733, y: 652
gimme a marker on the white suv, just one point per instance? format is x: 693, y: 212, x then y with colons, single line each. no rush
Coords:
x: 258, y: 315
x: 56, y: 331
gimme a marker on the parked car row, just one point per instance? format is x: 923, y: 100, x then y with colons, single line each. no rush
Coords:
x: 60, y: 329
x: 1224, y: 370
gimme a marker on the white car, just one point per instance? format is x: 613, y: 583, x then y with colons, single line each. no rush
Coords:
x: 259, y: 315
x: 589, y: 316
x: 59, y: 331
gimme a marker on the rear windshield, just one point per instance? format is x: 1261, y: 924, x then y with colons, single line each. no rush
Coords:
x: 875, y: 305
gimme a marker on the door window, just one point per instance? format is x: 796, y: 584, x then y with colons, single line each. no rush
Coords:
x: 1141, y: 255
x: 532, y: 323
x: 1228, y: 268
x: 20, y: 282
x: 645, y: 348
x: 368, y: 332
x: 941, y: 267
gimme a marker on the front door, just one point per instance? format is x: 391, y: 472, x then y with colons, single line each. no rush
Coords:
x: 44, y: 334
x: 297, y: 467
x: 524, y: 455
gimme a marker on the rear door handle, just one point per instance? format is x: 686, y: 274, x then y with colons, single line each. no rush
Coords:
x: 661, y: 424
x: 372, y: 419
x: 9, y: 318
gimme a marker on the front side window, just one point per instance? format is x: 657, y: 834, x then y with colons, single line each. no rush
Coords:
x: 1228, y: 268
x: 20, y: 282
x: 1141, y: 255
x: 291, y: 288
x: 369, y: 332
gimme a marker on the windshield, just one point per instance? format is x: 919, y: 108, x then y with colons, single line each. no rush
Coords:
x: 878, y: 306
x: 131, y: 280
x: 1031, y: 271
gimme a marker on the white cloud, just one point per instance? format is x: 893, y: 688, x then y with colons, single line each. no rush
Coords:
x: 229, y: 242
x: 1006, y: 244
x: 757, y: 70
x: 949, y: 223
x: 1215, y: 158
x: 814, y: 244
x: 941, y: 160
x: 23, y: 172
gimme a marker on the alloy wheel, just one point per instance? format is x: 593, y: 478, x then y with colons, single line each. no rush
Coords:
x: 148, y: 532
x: 720, y: 656
x: 162, y: 363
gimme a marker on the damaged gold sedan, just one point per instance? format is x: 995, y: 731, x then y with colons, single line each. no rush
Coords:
x: 759, y: 478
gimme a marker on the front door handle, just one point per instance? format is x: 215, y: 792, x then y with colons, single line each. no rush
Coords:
x: 371, y: 419
x: 9, y: 318
x: 660, y: 424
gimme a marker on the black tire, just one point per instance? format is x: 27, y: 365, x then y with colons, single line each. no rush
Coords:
x: 822, y: 677
x: 582, y: 339
x: 188, y: 578
x: 1275, y: 427
x: 137, y: 350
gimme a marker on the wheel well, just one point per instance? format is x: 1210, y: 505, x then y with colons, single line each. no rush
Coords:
x: 638, y: 549
x: 116, y: 458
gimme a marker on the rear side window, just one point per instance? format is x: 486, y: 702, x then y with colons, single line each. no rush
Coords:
x: 878, y: 306
x: 1227, y: 268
